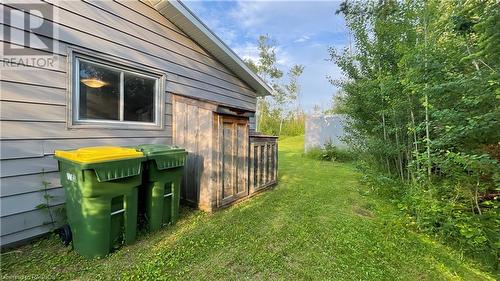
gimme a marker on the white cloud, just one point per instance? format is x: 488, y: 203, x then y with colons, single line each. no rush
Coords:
x: 287, y: 20
x: 247, y: 51
x: 303, y: 31
x: 302, y: 38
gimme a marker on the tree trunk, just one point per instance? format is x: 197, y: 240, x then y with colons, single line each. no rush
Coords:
x: 385, y: 140
x: 400, y: 161
x: 427, y: 133
x: 281, y: 125
x: 476, y: 196
x: 427, y: 136
x: 474, y: 62
x: 414, y: 128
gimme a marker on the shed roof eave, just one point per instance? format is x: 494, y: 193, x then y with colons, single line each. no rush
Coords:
x: 188, y: 22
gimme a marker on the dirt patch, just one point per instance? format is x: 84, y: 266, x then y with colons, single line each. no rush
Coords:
x: 362, y: 212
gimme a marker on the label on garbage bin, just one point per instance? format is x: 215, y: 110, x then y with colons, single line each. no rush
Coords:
x: 70, y: 177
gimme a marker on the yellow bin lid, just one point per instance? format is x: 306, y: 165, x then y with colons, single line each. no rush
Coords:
x: 98, y: 154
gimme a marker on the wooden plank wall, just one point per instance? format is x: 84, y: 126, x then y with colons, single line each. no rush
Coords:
x: 233, y: 146
x: 193, y: 130
x: 33, y: 99
x: 263, y: 162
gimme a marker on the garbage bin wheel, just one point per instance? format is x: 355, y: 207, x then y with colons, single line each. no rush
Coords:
x: 65, y: 235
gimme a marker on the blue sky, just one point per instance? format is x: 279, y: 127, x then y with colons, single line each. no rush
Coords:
x: 303, y: 31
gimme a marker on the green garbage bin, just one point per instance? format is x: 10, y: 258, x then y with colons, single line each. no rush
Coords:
x: 101, y: 186
x: 162, y: 183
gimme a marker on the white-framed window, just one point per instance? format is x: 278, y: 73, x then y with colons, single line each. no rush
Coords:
x: 111, y: 94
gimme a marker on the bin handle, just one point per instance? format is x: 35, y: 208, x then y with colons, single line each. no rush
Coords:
x: 168, y: 194
x: 117, y: 212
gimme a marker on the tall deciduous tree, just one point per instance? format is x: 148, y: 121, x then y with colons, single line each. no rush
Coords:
x: 285, y: 89
x: 422, y: 90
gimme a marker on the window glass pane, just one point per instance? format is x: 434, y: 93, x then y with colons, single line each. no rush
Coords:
x: 139, y: 98
x: 99, y: 92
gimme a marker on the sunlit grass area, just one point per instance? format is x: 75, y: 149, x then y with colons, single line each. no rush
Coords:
x: 314, y: 224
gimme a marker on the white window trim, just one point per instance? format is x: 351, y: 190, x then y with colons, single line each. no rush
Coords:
x: 73, y: 122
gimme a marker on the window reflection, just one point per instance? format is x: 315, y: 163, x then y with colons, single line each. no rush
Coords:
x: 108, y: 93
x: 139, y: 98
x: 99, y: 92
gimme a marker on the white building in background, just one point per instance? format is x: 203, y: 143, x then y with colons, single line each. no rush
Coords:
x: 321, y: 129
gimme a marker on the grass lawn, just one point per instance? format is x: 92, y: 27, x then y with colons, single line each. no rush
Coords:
x: 313, y: 225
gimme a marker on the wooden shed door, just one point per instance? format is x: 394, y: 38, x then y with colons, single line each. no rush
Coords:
x: 193, y: 130
x: 233, y: 140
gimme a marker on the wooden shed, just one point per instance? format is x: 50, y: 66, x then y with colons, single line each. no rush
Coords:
x: 122, y: 73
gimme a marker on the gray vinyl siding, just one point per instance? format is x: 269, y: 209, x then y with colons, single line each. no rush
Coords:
x: 33, y: 100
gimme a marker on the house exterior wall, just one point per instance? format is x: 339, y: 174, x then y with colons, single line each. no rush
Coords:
x: 34, y: 99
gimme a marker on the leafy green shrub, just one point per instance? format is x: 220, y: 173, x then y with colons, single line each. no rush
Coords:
x: 315, y: 153
x: 444, y: 211
x: 330, y: 152
x: 271, y: 123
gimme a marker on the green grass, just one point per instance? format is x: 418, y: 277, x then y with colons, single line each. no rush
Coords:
x: 314, y: 225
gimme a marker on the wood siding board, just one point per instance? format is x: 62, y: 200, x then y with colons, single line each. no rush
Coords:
x: 205, y: 151
x: 168, y: 98
x: 18, y: 167
x: 21, y: 149
x: 242, y: 158
x: 192, y: 146
x: 273, y: 167
x: 268, y: 163
x: 143, y: 13
x: 75, y: 36
x: 17, y: 40
x: 245, y: 158
x: 193, y: 130
x: 25, y: 234
x: 181, y: 80
x: 36, y: 49
x: 37, y: 77
x: 255, y: 166
x: 49, y: 146
x: 227, y: 152
x: 13, y: 91
x: 19, y: 130
x: 259, y: 166
x: 200, y: 93
x: 248, y: 96
x: 22, y: 111
x: 251, y: 170
x: 189, y: 161
x: 218, y: 144
x: 12, y: 205
x: 263, y: 164
x: 39, y: 112
x: 178, y: 126
x: 26, y: 220
x: 276, y: 163
x: 12, y: 186
x: 193, y: 87
x: 73, y: 14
